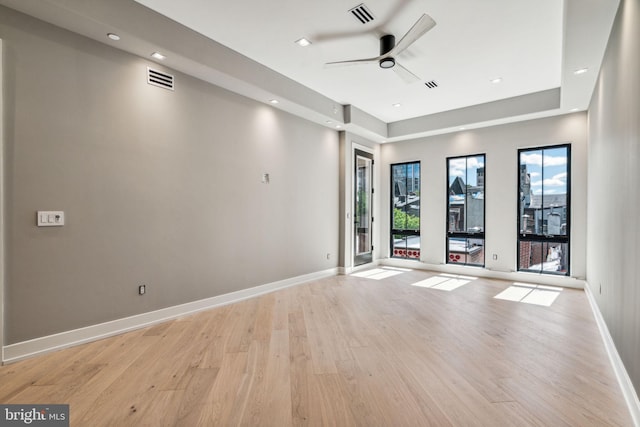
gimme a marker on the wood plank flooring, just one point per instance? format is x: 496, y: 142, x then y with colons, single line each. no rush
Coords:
x: 343, y: 351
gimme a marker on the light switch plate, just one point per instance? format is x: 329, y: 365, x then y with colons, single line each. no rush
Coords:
x: 50, y: 218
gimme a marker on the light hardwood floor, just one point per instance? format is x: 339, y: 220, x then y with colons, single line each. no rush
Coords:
x: 343, y: 351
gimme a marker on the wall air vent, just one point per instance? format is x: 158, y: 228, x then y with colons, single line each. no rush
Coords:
x: 160, y: 79
x: 362, y: 13
x: 432, y: 84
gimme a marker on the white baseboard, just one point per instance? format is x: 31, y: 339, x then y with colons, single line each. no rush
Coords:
x: 629, y: 392
x: 515, y: 276
x: 30, y: 348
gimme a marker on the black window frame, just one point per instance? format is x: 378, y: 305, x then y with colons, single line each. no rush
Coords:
x: 466, y: 234
x: 545, y: 238
x: 403, y: 232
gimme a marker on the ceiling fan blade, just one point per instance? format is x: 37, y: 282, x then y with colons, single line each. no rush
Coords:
x: 422, y: 25
x: 405, y: 74
x: 354, y: 62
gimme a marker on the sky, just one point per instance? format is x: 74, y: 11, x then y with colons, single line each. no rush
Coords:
x: 457, y: 169
x: 550, y: 176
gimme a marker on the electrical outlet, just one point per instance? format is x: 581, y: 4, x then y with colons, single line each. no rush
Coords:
x: 142, y: 289
x: 328, y: 255
x: 495, y: 257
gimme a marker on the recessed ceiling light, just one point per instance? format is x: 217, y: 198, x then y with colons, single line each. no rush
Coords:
x: 273, y: 101
x: 303, y: 42
x: 574, y: 109
x: 580, y: 71
x: 462, y: 128
x: 113, y: 36
x: 397, y: 105
x: 497, y: 80
x: 158, y: 55
x: 338, y: 127
x: 328, y: 122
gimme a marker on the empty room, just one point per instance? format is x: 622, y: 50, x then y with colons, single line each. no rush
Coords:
x: 390, y: 213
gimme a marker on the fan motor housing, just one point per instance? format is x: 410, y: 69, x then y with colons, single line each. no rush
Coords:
x: 386, y: 44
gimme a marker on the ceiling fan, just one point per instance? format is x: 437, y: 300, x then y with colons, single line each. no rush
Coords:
x: 389, y: 50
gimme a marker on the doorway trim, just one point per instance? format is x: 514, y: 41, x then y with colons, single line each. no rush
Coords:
x: 369, y: 152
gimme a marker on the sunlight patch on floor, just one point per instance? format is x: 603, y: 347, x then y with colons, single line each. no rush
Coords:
x: 530, y: 294
x: 445, y: 282
x: 380, y: 273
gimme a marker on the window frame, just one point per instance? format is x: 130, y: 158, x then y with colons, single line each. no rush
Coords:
x: 545, y: 238
x: 465, y: 234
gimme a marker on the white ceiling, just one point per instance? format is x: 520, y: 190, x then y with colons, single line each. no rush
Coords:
x: 472, y: 43
x: 534, y: 47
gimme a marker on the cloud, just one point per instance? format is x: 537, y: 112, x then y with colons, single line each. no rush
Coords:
x: 559, y: 180
x: 473, y: 162
x: 536, y: 159
x: 562, y: 176
x: 458, y: 167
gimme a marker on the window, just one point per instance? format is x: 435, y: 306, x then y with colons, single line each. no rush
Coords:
x: 465, y: 210
x: 405, y: 214
x: 544, y: 203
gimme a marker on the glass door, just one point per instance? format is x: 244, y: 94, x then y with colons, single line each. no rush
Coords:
x: 363, y: 197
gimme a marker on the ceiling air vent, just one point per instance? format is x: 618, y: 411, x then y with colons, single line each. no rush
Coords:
x: 362, y: 13
x: 432, y: 84
x: 160, y: 79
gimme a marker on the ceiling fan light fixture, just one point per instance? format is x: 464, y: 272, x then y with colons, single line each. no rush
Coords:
x: 389, y: 50
x: 387, y: 62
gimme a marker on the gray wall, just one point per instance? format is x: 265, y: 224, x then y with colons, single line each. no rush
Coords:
x: 614, y: 197
x: 500, y: 144
x: 159, y: 188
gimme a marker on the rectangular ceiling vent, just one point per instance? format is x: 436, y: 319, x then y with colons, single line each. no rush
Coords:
x: 160, y: 79
x: 362, y: 13
x: 432, y: 84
